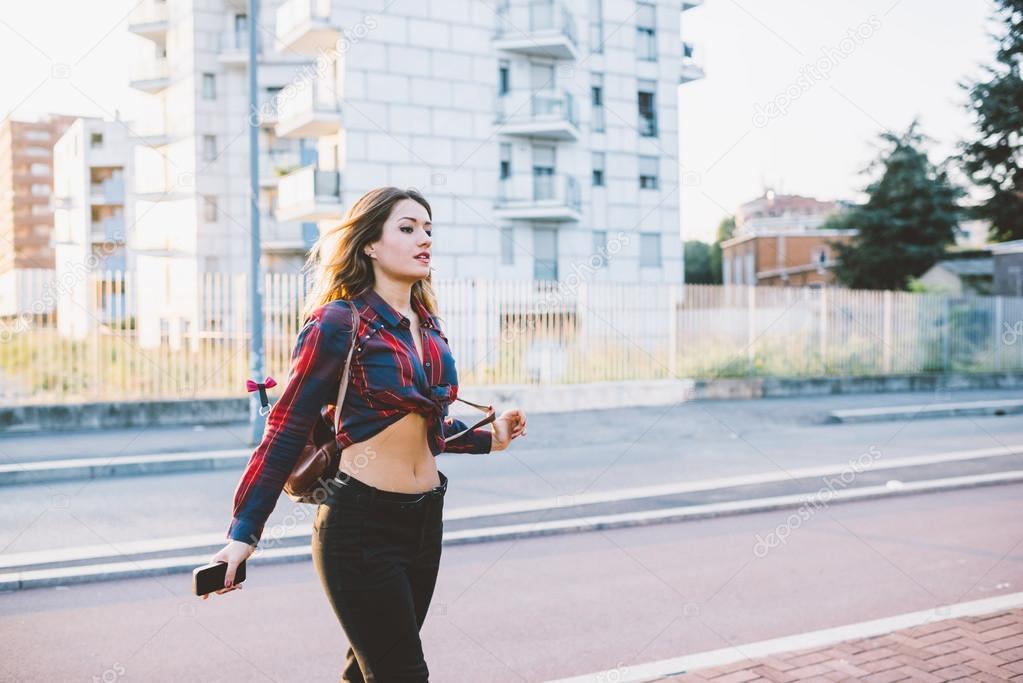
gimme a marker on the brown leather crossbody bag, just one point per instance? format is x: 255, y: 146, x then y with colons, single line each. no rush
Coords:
x: 320, y: 457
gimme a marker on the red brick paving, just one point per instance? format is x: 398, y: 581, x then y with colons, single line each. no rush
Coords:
x: 982, y: 648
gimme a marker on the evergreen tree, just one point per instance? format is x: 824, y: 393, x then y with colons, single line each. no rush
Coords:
x: 993, y: 159
x: 911, y: 215
x: 699, y: 266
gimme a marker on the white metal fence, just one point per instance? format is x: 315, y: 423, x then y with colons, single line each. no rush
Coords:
x: 116, y: 336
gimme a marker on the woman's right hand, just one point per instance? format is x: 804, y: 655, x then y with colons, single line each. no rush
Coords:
x: 234, y: 553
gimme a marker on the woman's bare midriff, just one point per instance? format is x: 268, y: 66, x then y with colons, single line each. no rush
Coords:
x: 396, y: 459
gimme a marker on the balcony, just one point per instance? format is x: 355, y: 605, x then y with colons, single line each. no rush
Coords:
x: 692, y: 63
x: 276, y: 163
x: 267, y: 113
x: 149, y: 20
x: 547, y: 114
x: 282, y: 237
x: 305, y: 27
x: 554, y: 197
x: 152, y: 77
x: 109, y: 192
x: 109, y: 230
x: 550, y: 33
x: 234, y: 47
x: 312, y: 111
x: 309, y: 194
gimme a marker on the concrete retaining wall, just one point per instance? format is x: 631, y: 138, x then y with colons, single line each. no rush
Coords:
x: 537, y: 399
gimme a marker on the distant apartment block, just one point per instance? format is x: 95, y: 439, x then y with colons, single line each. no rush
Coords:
x: 92, y: 218
x: 26, y: 218
x: 778, y: 242
x: 539, y: 130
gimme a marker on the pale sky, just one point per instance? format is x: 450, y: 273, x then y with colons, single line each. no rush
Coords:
x: 71, y: 57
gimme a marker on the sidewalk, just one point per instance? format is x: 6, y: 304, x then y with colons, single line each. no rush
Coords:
x: 980, y: 648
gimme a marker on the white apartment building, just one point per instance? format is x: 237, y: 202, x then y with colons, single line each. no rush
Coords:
x: 543, y: 132
x: 92, y: 215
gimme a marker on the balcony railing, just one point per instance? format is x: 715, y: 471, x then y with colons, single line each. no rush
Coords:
x: 151, y: 76
x: 109, y: 191
x: 149, y: 20
x: 305, y: 26
x: 548, y: 114
x: 309, y: 194
x: 551, y: 196
x: 311, y: 111
x: 273, y: 164
x: 234, y: 46
x: 281, y: 236
x: 110, y: 229
x: 551, y: 29
x: 693, y: 60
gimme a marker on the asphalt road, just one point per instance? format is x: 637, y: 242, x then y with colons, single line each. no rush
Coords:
x: 541, y: 608
x: 564, y: 454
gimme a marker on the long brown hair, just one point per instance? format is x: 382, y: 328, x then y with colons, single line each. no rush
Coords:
x: 339, y: 266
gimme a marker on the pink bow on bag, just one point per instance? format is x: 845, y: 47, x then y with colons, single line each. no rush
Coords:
x: 264, y: 400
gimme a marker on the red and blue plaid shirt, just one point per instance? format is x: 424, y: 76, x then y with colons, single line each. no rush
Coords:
x: 387, y: 380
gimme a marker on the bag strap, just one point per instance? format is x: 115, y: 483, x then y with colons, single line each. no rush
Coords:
x: 348, y: 364
x: 491, y: 416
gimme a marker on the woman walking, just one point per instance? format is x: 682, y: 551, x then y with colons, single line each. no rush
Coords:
x: 376, y: 541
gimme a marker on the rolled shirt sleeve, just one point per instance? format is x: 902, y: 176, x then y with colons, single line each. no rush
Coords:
x: 313, y: 380
x: 476, y: 441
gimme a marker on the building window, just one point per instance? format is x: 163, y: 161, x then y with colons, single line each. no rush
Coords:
x: 751, y: 275
x: 545, y: 250
x: 596, y: 26
x: 503, y: 77
x: 39, y: 169
x: 646, y: 31
x: 40, y: 189
x: 507, y: 246
x: 647, y: 109
x: 506, y: 153
x: 819, y: 255
x: 648, y: 171
x: 209, y: 86
x: 209, y: 147
x: 598, y: 169
x: 209, y: 208
x: 96, y: 140
x: 650, y: 249
x: 599, y: 248
x: 597, y: 101
x: 37, y: 151
x: 36, y: 135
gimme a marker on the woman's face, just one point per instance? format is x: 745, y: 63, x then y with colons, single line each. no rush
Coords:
x: 405, y: 238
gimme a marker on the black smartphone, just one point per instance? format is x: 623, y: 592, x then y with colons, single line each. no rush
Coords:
x: 210, y: 577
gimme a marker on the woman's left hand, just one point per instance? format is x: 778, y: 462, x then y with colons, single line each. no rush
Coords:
x: 511, y: 424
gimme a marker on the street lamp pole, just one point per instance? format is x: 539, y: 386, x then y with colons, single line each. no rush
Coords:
x: 256, y: 353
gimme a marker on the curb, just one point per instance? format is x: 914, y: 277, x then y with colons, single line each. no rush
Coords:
x: 916, y: 412
x: 121, y: 466
x: 652, y: 671
x: 64, y: 576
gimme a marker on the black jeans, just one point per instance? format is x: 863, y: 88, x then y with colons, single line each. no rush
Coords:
x: 377, y: 554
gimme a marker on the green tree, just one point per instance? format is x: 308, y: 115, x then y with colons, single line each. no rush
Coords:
x: 992, y: 160
x: 725, y: 231
x: 911, y: 216
x: 699, y: 268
